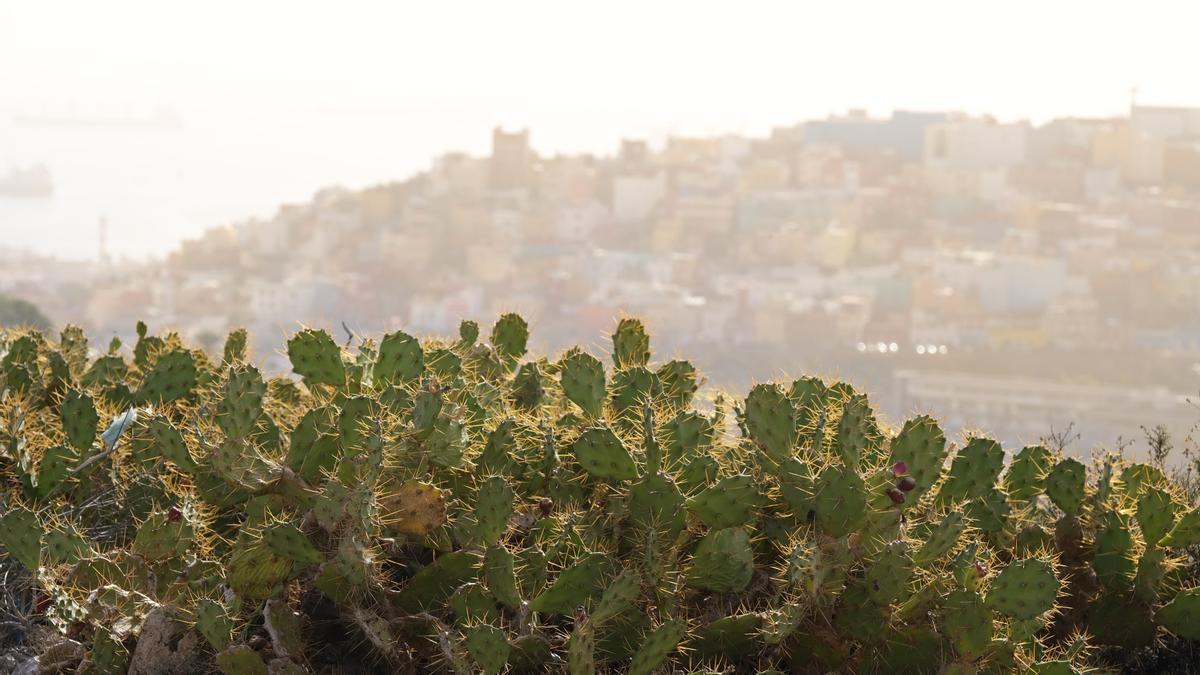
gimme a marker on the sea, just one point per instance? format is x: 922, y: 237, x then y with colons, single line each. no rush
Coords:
x: 154, y: 184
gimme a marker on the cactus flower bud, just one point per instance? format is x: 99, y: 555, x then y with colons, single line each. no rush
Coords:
x: 896, y: 496
x: 174, y: 514
x: 899, y: 468
x: 906, y: 484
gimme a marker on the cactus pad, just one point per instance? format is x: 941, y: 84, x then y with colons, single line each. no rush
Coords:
x: 973, y: 472
x: 602, y: 454
x: 728, y: 503
x: 79, y: 419
x: 631, y: 344
x: 316, y: 358
x: 723, y: 561
x: 771, y: 419
x: 1024, y: 590
x: 1065, y: 485
x: 21, y: 535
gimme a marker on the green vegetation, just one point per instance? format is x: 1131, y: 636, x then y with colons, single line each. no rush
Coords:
x: 410, y: 505
x: 17, y: 312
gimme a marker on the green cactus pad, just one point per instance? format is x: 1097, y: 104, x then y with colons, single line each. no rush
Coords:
x: 967, y: 622
x: 160, y: 538
x: 574, y: 585
x: 241, y: 405
x: 582, y: 379
x: 488, y: 647
x: 213, y: 623
x: 973, y: 472
x: 170, y: 444
x: 841, y: 500
x: 1113, y: 558
x: 631, y: 389
x: 685, y: 436
x: 620, y: 595
x: 1181, y: 615
x: 21, y: 536
x: 79, y: 419
x: 730, y: 637
x: 581, y: 650
x: 920, y: 445
x: 472, y: 604
x: 1065, y: 485
x: 400, y: 359
x: 602, y: 454
x: 64, y: 545
x: 241, y: 660
x: 283, y: 626
x: 771, y: 419
x: 732, y: 501
x: 989, y: 512
x: 1024, y: 590
x: 316, y: 358
x: 680, y: 382
x: 1027, y: 472
x: 285, y: 539
x: 493, y: 506
x: 510, y: 334
x: 108, y: 655
x: 941, y: 538
x: 655, y: 502
x: 53, y: 470
x: 1155, y: 514
x: 499, y: 576
x: 857, y: 430
x: 657, y: 646
x: 723, y: 561
x: 172, y: 377
x: 255, y: 572
x: 631, y: 344
x: 888, y: 577
x: 1186, y: 531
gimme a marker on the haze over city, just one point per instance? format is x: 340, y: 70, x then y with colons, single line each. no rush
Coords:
x: 840, y: 187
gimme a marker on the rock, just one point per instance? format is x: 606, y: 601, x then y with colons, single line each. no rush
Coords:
x: 166, y: 646
x: 27, y: 667
x: 61, y: 657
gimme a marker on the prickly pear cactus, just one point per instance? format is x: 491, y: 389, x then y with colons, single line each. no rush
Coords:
x: 464, y: 505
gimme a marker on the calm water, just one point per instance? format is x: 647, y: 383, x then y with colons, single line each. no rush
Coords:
x: 155, y: 186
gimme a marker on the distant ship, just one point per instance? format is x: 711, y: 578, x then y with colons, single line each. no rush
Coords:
x: 163, y: 119
x: 31, y: 182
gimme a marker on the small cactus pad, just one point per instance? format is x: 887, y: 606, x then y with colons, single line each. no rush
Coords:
x: 316, y: 358
x: 287, y: 540
x: 213, y: 622
x: 573, y: 586
x: 21, y: 536
x: 973, y: 472
x: 510, y: 334
x: 1155, y: 514
x: 657, y: 646
x: 621, y: 593
x: 1186, y: 532
x: 631, y: 344
x: 602, y: 454
x: 1182, y: 614
x: 1024, y: 590
x: 488, y: 647
x: 241, y: 660
x: 921, y: 445
x: 493, y: 506
x: 841, y: 500
x: 1065, y: 485
x: 941, y: 538
x: 728, y: 503
x: 771, y: 419
x: 1027, y: 472
x: 400, y: 359
x: 582, y: 378
x: 172, y: 377
x: 887, y: 578
x: 79, y: 419
x: 723, y: 561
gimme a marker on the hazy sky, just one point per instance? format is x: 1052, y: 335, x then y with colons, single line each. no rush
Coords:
x: 630, y: 64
